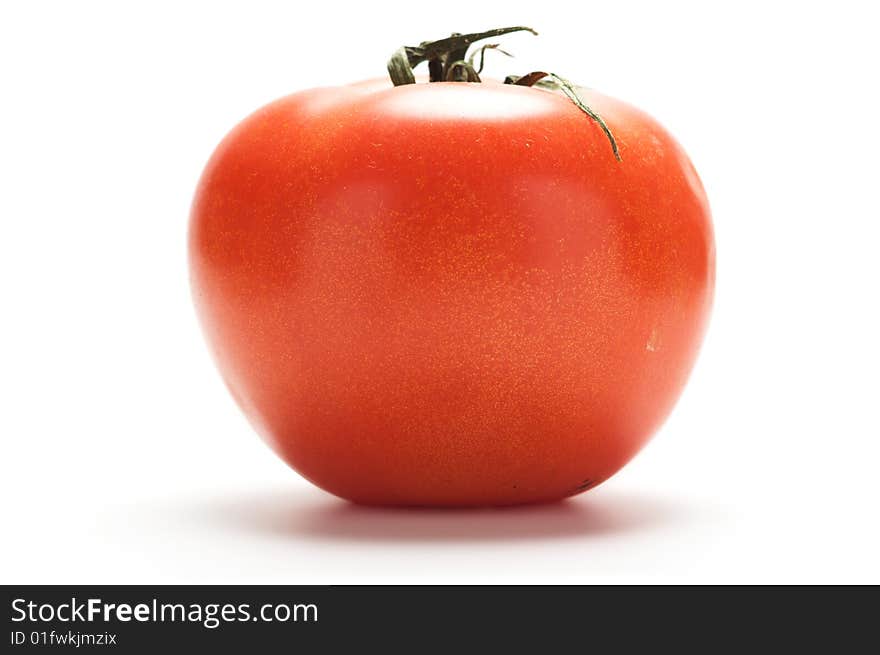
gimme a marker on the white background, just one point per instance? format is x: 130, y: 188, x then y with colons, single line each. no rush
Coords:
x: 124, y: 459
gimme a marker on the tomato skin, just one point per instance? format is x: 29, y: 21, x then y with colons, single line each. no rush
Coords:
x: 451, y: 293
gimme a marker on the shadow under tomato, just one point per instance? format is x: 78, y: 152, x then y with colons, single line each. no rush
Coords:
x: 322, y: 517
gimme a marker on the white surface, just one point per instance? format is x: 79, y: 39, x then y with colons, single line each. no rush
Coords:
x: 124, y: 459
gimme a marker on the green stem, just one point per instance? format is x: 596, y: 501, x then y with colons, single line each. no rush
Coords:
x: 441, y: 55
x: 448, y: 61
x: 571, y: 93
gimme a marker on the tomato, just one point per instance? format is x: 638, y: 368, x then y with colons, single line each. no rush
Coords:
x: 451, y: 293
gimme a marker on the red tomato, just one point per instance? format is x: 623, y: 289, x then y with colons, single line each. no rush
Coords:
x: 451, y: 293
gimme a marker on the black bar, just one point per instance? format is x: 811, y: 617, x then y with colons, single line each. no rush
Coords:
x: 422, y: 618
